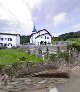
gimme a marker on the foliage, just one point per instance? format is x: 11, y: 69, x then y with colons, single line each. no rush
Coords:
x: 23, y: 58
x: 58, y: 49
x: 15, y: 47
x: 61, y: 55
x: 47, y: 52
x: 24, y: 39
x: 3, y: 47
x: 1, y: 67
x: 14, y: 64
x: 70, y: 35
x: 40, y: 52
x: 64, y: 55
x: 52, y: 57
x: 76, y: 46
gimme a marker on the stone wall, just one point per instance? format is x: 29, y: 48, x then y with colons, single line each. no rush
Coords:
x: 51, y: 48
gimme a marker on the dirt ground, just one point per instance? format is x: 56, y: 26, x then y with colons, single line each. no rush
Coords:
x: 73, y: 84
x: 39, y: 84
x: 31, y: 84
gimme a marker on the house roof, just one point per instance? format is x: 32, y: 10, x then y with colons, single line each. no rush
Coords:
x: 9, y: 34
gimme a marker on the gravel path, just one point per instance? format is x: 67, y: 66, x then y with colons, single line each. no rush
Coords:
x: 32, y: 84
x: 72, y: 85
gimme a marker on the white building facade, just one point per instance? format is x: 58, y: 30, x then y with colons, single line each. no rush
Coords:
x: 9, y: 40
x: 42, y: 37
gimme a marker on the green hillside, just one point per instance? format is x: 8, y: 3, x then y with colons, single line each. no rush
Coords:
x: 66, y: 36
x: 70, y: 35
x: 74, y: 40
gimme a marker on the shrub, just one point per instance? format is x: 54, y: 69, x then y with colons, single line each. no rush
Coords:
x: 76, y: 46
x: 13, y: 47
x: 28, y: 51
x: 58, y: 49
x: 23, y: 58
x: 14, y: 64
x: 52, y: 57
x: 40, y: 52
x: 1, y: 67
x: 3, y: 47
x: 64, y: 55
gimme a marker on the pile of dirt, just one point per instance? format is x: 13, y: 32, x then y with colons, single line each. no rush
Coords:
x: 52, y: 74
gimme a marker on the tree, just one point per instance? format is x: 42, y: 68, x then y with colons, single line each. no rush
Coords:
x: 24, y: 39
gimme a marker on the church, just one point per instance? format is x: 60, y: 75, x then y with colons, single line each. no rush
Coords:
x: 41, y: 37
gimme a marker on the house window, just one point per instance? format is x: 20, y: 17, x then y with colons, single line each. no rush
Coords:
x: 1, y: 44
x: 5, y: 44
x: 2, y: 39
x: 9, y: 39
x: 45, y: 37
x: 5, y: 38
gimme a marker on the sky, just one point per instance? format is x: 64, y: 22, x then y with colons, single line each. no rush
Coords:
x: 57, y: 16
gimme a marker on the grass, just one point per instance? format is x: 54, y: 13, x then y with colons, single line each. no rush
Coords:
x: 9, y: 56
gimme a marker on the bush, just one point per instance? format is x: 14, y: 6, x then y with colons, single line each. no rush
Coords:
x: 40, y: 52
x: 76, y: 46
x: 28, y: 51
x: 1, y: 67
x: 14, y: 64
x: 15, y: 47
x: 64, y: 55
x: 52, y: 57
x: 3, y: 47
x: 23, y: 58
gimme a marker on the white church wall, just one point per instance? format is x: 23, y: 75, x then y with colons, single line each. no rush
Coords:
x: 42, y: 32
x: 40, y: 36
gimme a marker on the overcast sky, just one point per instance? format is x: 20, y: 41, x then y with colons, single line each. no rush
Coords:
x: 57, y: 16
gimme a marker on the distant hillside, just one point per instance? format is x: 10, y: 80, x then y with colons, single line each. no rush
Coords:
x: 25, y: 39
x: 70, y: 35
x: 67, y: 36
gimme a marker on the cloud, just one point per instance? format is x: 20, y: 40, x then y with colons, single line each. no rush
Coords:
x: 34, y: 4
x: 76, y: 27
x: 59, y: 19
x: 17, y: 13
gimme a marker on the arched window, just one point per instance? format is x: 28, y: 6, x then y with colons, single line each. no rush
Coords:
x: 9, y: 44
x: 9, y: 39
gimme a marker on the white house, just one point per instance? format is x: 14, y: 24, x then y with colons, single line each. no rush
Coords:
x: 9, y: 40
x: 42, y: 37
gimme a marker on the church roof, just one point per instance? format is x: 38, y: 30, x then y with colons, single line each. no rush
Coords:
x: 43, y: 34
